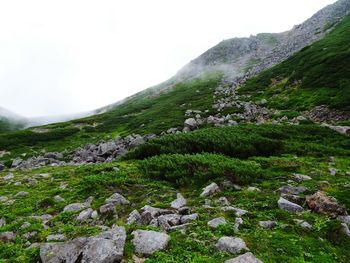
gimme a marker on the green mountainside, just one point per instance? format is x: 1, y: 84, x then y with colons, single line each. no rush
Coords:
x: 279, y: 180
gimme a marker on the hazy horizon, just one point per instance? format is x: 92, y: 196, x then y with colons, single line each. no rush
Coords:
x: 65, y: 57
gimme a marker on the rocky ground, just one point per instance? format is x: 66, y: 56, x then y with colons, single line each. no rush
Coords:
x: 102, y: 213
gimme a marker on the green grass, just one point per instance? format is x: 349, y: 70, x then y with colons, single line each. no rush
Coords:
x: 318, y: 74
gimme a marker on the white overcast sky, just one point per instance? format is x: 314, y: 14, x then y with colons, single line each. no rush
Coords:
x: 59, y: 57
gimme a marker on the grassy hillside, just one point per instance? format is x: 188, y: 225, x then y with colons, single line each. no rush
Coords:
x: 148, y: 113
x: 8, y: 126
x: 318, y: 74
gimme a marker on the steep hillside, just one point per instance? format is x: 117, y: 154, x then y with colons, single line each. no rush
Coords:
x: 317, y: 75
x: 10, y: 121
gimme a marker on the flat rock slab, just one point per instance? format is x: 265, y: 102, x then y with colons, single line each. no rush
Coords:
x: 231, y: 245
x: 108, y: 247
x: 148, y: 242
x: 245, y: 258
x: 289, y: 206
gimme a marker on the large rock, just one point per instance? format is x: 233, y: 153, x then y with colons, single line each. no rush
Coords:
x: 75, y: 207
x: 232, y: 245
x: 321, y: 203
x: 117, y: 199
x: 134, y: 217
x: 210, y: 189
x: 179, y: 202
x: 289, y: 206
x: 214, y: 223
x: 108, y: 247
x: 191, y: 123
x: 148, y: 242
x: 245, y: 258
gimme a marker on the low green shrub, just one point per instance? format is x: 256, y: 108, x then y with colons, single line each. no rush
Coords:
x: 199, y: 169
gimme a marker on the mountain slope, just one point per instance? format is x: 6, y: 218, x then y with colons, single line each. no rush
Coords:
x: 10, y: 121
x: 317, y: 75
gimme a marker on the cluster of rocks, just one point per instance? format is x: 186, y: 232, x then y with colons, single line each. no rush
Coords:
x: 107, y: 247
x: 50, y: 158
x: 178, y: 217
x: 324, y: 114
x: 104, y: 151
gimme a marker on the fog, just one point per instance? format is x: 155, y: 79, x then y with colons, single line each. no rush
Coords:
x: 62, y: 57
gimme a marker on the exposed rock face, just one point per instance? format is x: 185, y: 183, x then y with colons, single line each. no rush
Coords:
x: 264, y: 50
x: 289, y: 206
x: 232, y: 245
x: 321, y: 203
x: 148, y: 242
x: 323, y: 113
x: 245, y: 258
x: 108, y: 247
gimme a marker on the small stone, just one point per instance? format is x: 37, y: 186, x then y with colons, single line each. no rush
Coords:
x: 2, y: 222
x: 108, y: 208
x: 253, y: 189
x: 25, y: 225
x: 179, y: 202
x: 214, y: 223
x: 58, y: 198
x: 238, y: 222
x: 21, y: 194
x: 94, y: 215
x: 6, y: 237
x: 301, y: 177
x: 231, y: 245
x: 289, y: 206
x: 85, y: 215
x: 148, y: 242
x: 44, y: 176
x: 223, y: 201
x: 8, y: 177
x: 332, y: 171
x: 189, y: 218
x: 210, y: 189
x: 267, y: 224
x: 245, y: 258
x: 134, y: 217
x: 30, y: 235
x: 238, y: 212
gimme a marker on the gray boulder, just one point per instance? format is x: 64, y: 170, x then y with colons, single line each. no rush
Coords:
x: 21, y: 194
x: 85, y: 215
x: 289, y: 206
x: 301, y: 177
x: 75, y: 207
x: 58, y: 237
x: 148, y: 242
x: 108, y: 208
x: 2, y: 222
x: 232, y: 245
x: 134, y: 217
x: 117, y: 199
x: 189, y: 218
x: 179, y: 202
x: 214, y: 223
x: 108, y: 247
x: 245, y: 258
